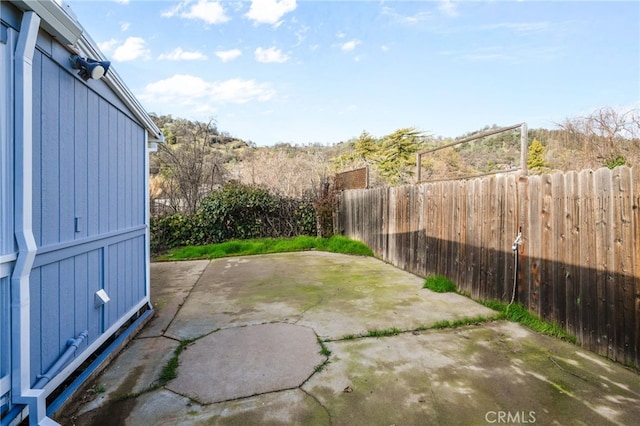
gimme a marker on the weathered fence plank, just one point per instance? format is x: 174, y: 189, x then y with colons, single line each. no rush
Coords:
x: 579, y: 264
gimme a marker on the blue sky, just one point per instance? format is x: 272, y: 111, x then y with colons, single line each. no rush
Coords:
x: 303, y: 71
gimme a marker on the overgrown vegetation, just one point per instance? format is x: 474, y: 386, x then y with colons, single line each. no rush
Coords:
x: 234, y: 211
x: 439, y: 284
x: 335, y: 244
x: 518, y: 313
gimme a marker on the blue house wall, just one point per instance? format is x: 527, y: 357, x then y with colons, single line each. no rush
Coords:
x: 89, y: 213
x: 88, y: 208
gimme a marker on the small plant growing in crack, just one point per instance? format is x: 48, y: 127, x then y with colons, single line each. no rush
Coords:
x: 97, y: 389
x: 318, y: 368
x: 170, y: 371
x: 382, y: 333
x: 323, y: 348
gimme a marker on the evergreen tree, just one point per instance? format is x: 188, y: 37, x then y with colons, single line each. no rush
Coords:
x: 535, y: 156
x: 398, y: 154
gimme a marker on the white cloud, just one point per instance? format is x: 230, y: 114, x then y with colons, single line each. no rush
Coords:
x: 122, y: 1
x: 350, y: 45
x: 270, y: 55
x: 124, y: 26
x: 517, y: 26
x: 340, y: 34
x: 228, y: 55
x: 385, y: 48
x: 132, y: 48
x: 448, y: 8
x: 301, y: 35
x: 107, y: 46
x: 210, y: 12
x: 191, y: 91
x: 407, y: 19
x: 269, y: 11
x: 178, y: 54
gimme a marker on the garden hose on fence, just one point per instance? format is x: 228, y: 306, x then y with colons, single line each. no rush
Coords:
x: 514, y: 247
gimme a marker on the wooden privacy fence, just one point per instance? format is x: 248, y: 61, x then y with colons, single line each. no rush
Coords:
x: 578, y: 264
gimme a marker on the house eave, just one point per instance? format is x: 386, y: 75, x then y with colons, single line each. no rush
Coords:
x: 54, y: 19
x: 59, y: 21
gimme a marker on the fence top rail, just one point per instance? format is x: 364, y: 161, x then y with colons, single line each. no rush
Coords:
x: 473, y: 137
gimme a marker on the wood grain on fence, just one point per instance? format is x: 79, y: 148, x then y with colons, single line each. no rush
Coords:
x: 578, y: 266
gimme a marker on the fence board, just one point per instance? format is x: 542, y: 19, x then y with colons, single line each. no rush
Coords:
x: 572, y: 253
x: 588, y: 275
x: 602, y: 246
x: 546, y: 249
x: 462, y: 231
x: 623, y: 255
x: 560, y: 249
x: 511, y: 232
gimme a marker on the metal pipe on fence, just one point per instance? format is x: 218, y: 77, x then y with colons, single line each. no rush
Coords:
x: 523, y: 147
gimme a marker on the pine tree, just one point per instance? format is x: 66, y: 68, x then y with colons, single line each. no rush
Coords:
x: 535, y: 156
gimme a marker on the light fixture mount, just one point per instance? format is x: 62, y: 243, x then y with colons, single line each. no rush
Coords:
x: 89, y: 68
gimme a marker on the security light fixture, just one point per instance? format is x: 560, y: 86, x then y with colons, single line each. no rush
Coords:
x: 89, y: 68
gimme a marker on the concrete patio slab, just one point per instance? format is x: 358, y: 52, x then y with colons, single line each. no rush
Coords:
x: 334, y: 294
x: 244, y: 311
x: 470, y: 376
x: 246, y: 361
x: 135, y: 370
x: 170, y: 286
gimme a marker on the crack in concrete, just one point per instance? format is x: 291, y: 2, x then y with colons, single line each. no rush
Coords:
x: 321, y: 298
x: 319, y: 403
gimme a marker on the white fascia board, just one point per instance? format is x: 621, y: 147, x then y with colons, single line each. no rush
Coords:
x: 54, y: 19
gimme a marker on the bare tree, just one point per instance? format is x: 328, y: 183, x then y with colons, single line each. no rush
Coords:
x: 602, y: 133
x: 290, y: 171
x: 190, y: 168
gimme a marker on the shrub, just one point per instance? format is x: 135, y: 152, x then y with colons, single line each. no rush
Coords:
x: 612, y: 163
x: 235, y: 212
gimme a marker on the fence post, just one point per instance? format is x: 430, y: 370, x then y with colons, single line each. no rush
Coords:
x: 524, y: 149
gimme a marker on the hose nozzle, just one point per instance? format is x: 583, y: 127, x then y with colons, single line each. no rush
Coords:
x: 517, y: 241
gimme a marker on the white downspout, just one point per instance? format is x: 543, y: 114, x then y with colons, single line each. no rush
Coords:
x: 151, y: 145
x: 21, y: 390
x: 147, y: 221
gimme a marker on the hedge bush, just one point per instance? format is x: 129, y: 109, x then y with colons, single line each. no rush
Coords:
x: 235, y: 211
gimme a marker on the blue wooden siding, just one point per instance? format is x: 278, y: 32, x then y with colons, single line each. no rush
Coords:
x: 88, y: 209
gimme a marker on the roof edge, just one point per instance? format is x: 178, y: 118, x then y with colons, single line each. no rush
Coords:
x: 54, y: 19
x: 59, y: 20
